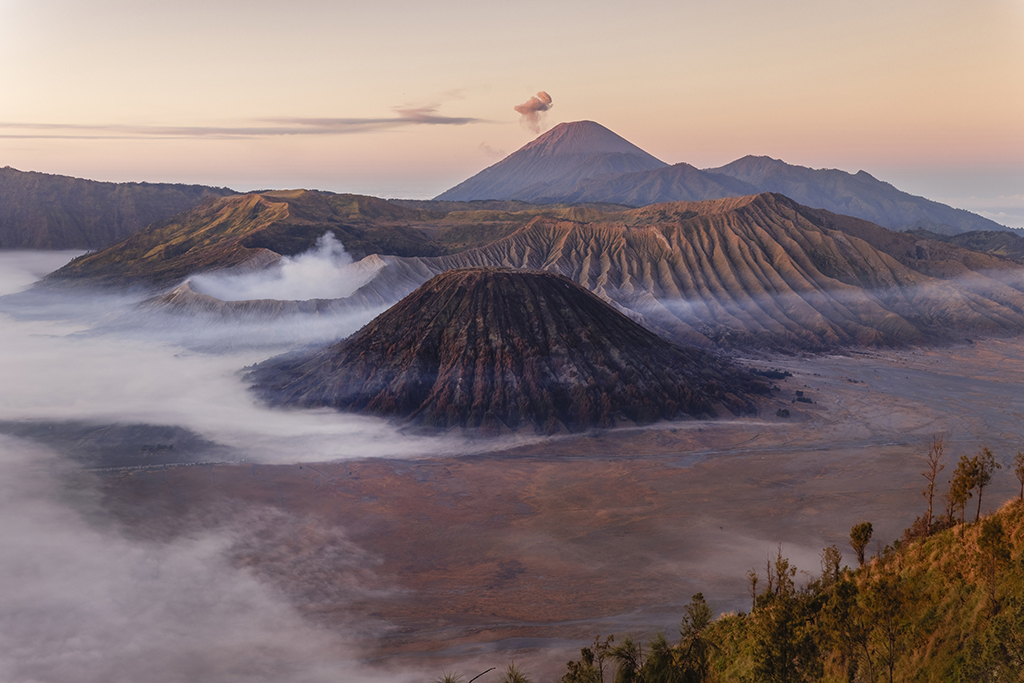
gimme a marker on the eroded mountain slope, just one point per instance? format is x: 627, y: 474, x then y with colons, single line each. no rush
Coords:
x: 762, y: 270
x: 255, y: 230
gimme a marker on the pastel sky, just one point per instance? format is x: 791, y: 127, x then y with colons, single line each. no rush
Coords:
x: 398, y: 98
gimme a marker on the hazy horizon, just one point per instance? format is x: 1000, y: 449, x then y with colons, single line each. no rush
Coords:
x: 384, y: 101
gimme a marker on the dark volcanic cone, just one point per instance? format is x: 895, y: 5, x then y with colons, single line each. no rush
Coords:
x: 485, y: 347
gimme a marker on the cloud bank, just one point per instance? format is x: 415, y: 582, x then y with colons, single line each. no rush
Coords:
x: 81, y: 600
x: 82, y: 603
x: 69, y: 356
x: 259, y: 128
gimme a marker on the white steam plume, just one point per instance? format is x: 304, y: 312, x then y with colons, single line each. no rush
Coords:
x: 326, y: 271
x: 532, y: 110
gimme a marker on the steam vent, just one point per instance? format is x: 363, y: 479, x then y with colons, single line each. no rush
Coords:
x: 500, y: 349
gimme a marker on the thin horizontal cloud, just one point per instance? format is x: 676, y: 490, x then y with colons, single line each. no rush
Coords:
x: 276, y: 127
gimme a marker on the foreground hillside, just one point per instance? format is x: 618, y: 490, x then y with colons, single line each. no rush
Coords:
x: 949, y: 607
x: 42, y: 211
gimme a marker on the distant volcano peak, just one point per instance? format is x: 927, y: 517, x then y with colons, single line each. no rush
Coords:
x: 582, y: 137
x: 554, y: 162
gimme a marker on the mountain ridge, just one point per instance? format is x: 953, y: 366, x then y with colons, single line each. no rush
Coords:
x: 48, y: 211
x: 759, y: 271
x: 857, y: 194
x: 231, y: 231
x: 529, y: 175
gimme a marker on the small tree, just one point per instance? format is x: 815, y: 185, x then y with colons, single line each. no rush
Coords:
x: 515, y: 675
x: 984, y: 465
x: 860, y: 536
x: 630, y: 657
x: 663, y: 661
x: 934, y: 460
x: 886, y: 600
x: 995, y: 553
x: 830, y: 561
x: 590, y: 666
x: 964, y: 479
x: 784, y: 648
x: 846, y: 627
x: 450, y: 677
x: 697, y: 617
x: 695, y: 649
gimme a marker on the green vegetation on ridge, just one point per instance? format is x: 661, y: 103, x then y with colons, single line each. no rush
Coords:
x: 944, y: 603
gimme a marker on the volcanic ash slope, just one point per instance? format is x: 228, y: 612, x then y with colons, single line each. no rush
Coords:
x: 494, y: 348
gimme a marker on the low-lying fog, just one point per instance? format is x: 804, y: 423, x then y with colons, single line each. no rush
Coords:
x: 79, y: 601
x: 64, y: 356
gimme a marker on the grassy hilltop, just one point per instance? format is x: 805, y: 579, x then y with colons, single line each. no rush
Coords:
x: 941, y: 604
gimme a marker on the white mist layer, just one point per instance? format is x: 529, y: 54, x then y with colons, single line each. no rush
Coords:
x: 58, y: 364
x: 82, y: 603
x: 19, y: 269
x: 325, y: 272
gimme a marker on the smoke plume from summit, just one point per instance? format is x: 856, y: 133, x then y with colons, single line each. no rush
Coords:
x: 532, y: 110
x: 325, y: 272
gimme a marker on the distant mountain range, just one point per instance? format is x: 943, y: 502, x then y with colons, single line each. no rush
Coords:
x: 573, y: 164
x: 761, y: 270
x: 42, y: 211
x: 255, y: 230
x: 585, y: 162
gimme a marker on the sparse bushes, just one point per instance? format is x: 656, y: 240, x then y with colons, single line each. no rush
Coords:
x: 860, y: 536
x: 512, y: 675
x: 943, y: 604
x: 515, y: 675
x: 773, y: 373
